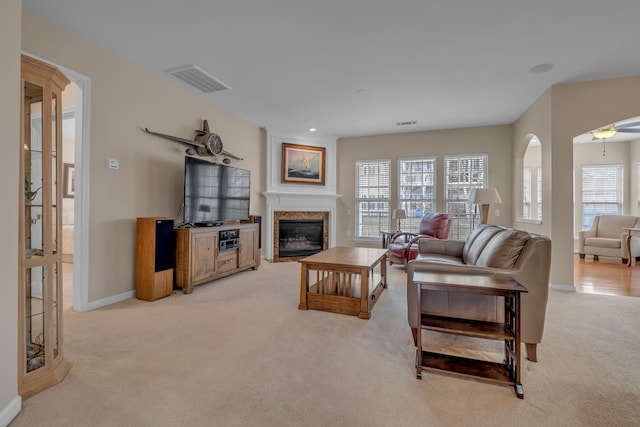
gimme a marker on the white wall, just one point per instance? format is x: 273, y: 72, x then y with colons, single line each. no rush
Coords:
x: 10, y: 17
x: 124, y: 99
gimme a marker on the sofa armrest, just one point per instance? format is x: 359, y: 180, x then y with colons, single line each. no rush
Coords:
x: 582, y: 235
x: 405, y: 235
x: 441, y: 246
x: 441, y: 267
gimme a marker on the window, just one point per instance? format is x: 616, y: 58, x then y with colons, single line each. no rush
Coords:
x: 463, y: 173
x: 372, y: 198
x: 532, y: 181
x: 601, y: 192
x: 638, y: 186
x: 526, y: 193
x: 539, y: 192
x: 417, y: 183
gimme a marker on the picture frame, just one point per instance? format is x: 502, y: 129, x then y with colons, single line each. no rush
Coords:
x: 68, y: 189
x: 303, y: 164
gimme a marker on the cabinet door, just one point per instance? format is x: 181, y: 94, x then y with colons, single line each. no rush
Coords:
x: 248, y: 254
x: 203, y: 246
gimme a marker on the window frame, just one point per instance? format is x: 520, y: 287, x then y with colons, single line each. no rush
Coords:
x: 380, y: 204
x: 410, y: 204
x: 618, y: 188
x: 471, y: 213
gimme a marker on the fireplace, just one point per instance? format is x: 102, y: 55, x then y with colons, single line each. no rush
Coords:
x: 299, y: 234
x: 299, y: 237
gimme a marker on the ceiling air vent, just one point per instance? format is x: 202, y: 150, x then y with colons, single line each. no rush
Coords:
x: 197, y: 78
x: 409, y: 123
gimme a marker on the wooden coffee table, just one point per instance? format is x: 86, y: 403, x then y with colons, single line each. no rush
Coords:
x: 343, y: 280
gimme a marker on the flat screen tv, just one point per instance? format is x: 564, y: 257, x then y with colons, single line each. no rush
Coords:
x: 214, y: 192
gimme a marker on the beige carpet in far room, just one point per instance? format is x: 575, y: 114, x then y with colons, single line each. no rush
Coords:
x: 238, y: 352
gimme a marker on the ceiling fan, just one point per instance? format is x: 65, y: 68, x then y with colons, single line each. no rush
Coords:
x: 610, y: 130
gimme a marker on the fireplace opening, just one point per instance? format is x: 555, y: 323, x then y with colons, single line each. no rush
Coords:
x: 300, y: 237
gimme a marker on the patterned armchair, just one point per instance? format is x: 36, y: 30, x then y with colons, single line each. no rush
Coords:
x: 403, y: 246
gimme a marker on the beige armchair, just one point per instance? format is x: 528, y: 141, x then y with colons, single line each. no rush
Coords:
x: 607, y: 237
x: 489, y: 250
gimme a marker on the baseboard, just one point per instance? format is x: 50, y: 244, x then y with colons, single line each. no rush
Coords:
x: 562, y: 288
x: 9, y: 412
x: 111, y: 300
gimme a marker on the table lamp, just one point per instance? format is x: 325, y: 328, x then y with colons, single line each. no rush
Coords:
x: 399, y: 214
x: 483, y: 197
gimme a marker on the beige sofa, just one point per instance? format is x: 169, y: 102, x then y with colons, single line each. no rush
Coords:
x: 607, y: 237
x: 489, y: 250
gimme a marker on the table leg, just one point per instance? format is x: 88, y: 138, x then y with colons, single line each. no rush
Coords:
x: 304, y: 287
x: 383, y: 270
x: 628, y: 242
x: 364, y: 294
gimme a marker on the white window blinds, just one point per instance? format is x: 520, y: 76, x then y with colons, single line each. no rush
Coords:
x: 463, y: 173
x: 417, y: 190
x: 601, y: 192
x: 372, y: 198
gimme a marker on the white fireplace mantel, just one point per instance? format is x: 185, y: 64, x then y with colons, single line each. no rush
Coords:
x: 307, y: 200
x: 298, y: 202
x: 295, y: 197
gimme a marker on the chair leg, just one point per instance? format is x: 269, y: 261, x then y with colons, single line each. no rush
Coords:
x: 414, y: 332
x: 531, y: 351
x: 581, y: 256
x: 625, y: 260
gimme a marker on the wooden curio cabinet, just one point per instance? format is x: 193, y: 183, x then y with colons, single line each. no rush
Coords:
x: 41, y: 361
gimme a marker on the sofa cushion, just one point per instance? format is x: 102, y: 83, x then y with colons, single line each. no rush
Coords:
x: 503, y: 250
x: 473, y: 249
x: 603, y: 242
x: 612, y: 225
x: 441, y: 258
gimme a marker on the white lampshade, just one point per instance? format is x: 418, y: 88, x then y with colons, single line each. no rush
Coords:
x: 399, y: 214
x: 481, y: 196
x: 484, y: 196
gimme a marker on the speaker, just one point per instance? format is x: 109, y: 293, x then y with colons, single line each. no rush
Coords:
x: 257, y: 219
x: 155, y: 248
x: 165, y: 245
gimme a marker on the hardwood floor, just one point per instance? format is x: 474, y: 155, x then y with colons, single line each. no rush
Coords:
x: 606, y: 276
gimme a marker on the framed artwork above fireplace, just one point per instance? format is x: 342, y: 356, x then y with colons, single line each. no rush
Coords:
x: 303, y: 164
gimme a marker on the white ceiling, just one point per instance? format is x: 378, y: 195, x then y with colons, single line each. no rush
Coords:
x: 356, y: 67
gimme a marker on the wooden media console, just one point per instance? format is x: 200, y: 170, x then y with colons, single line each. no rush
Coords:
x: 208, y: 253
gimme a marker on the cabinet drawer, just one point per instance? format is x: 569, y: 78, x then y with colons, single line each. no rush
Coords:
x: 227, y: 261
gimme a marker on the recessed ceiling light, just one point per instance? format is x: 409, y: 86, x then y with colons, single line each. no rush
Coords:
x: 540, y: 68
x: 312, y: 129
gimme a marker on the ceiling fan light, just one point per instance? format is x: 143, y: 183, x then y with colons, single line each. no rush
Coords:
x: 604, y: 133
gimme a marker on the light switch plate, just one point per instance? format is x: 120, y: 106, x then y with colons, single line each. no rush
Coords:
x: 112, y: 164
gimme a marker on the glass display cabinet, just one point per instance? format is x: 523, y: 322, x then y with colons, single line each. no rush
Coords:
x: 41, y: 362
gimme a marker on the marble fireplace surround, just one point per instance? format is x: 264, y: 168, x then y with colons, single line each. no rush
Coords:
x: 282, y: 205
x: 286, y: 215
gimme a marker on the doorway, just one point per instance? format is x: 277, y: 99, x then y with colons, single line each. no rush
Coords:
x: 76, y: 132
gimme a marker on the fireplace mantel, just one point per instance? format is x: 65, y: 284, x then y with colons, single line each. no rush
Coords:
x: 287, y: 198
x: 297, y: 202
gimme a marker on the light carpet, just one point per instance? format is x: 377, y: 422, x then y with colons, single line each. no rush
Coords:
x: 238, y: 352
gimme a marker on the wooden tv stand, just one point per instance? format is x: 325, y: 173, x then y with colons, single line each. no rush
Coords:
x: 204, y: 254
